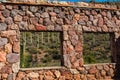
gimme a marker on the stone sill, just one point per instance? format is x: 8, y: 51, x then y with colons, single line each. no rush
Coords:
x: 60, y: 5
x: 97, y: 64
x: 42, y: 68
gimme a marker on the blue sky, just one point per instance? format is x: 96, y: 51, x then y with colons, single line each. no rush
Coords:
x: 91, y: 0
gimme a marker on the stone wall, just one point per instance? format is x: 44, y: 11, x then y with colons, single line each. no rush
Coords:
x: 72, y: 21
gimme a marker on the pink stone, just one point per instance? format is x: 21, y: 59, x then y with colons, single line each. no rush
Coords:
x: 100, y: 22
x: 104, y: 13
x: 75, y: 64
x: 81, y: 62
x: 2, y: 56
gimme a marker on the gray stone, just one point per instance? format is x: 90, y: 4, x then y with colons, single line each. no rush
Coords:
x: 3, y: 26
x: 37, y: 15
x: 12, y: 57
x: 9, y: 21
x: 99, y: 67
x: 81, y: 22
x: 91, y: 17
x: 50, y: 27
x: 15, y: 67
x: 6, y: 13
x: 22, y: 13
x: 30, y: 14
x: 89, y: 23
x: 24, y: 8
x: 109, y: 15
x: 67, y: 62
x: 3, y: 41
x: 77, y: 10
x: 56, y: 10
x: 23, y: 25
x: 45, y: 15
x: 58, y: 28
x: 59, y: 21
x: 118, y: 13
x: 33, y: 8
x: 111, y: 23
x: 14, y: 12
x: 95, y: 22
x: 47, y: 22
x: 10, y: 77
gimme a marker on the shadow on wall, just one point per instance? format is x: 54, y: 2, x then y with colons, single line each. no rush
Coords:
x: 117, y: 67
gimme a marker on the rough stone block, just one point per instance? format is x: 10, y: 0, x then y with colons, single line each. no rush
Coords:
x: 12, y: 57
x: 3, y: 41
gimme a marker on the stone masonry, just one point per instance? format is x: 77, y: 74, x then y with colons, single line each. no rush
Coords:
x: 72, y: 22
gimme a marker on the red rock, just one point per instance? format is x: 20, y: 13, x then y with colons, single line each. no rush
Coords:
x: 92, y: 70
x: 16, y: 47
x: 2, y: 56
x: 78, y: 47
x: 6, y: 69
x: 41, y: 27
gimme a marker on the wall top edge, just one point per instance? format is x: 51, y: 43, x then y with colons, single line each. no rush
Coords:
x: 79, y: 4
